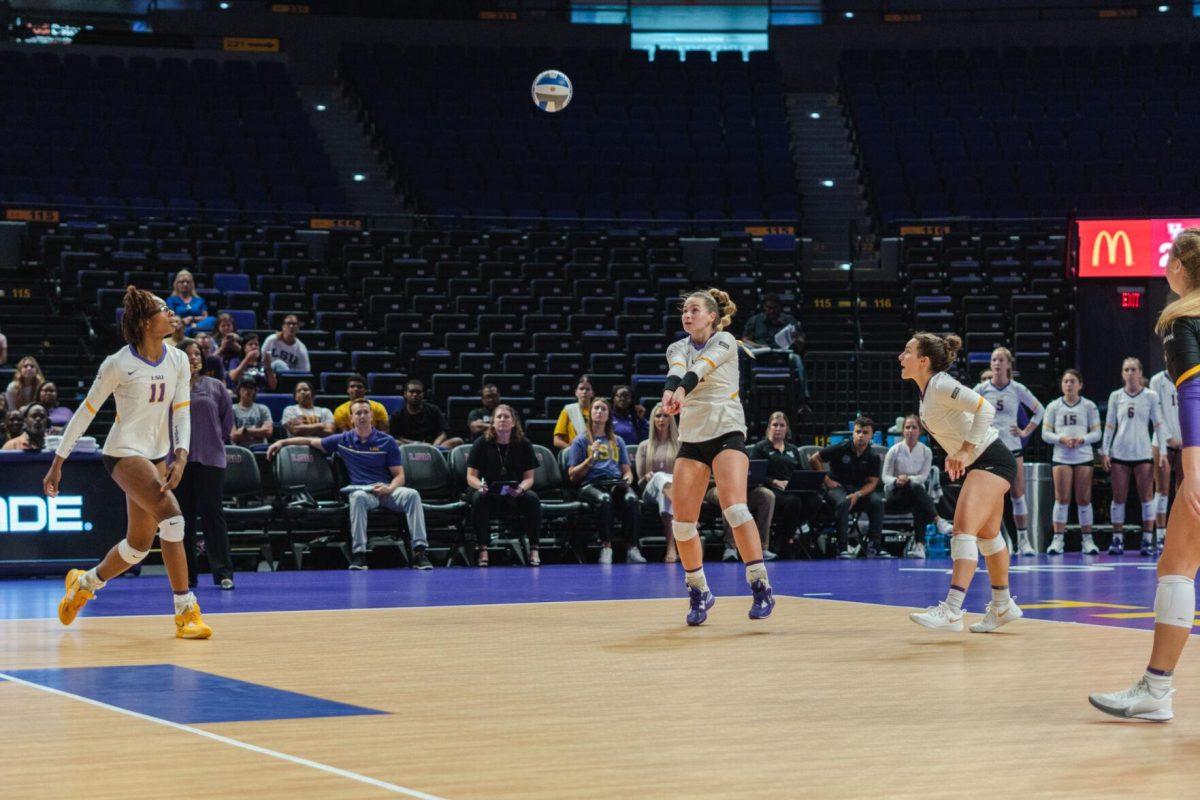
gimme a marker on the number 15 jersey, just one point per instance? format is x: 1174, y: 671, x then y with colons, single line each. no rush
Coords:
x: 146, y: 394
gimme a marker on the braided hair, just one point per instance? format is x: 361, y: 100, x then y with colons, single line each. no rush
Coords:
x: 140, y: 308
x: 718, y: 302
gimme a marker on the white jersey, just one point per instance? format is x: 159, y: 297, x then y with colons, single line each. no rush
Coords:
x: 1079, y: 421
x: 954, y: 414
x: 1168, y: 404
x: 1127, y: 425
x: 1007, y: 401
x: 146, y: 394
x: 295, y: 355
x: 711, y: 409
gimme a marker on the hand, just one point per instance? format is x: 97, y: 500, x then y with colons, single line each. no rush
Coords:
x: 483, y: 487
x: 174, y: 473
x: 668, y: 400
x: 1106, y: 463
x: 379, y: 489
x: 597, y: 449
x: 273, y: 449
x: 955, y: 464
x: 853, y: 498
x: 50, y: 483
x: 1189, y: 490
x: 830, y: 483
x: 640, y: 411
x: 779, y: 484
x: 901, y: 480
x: 517, y: 490
x: 1015, y: 431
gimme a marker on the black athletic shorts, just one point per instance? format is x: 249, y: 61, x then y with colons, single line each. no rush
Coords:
x: 1018, y: 453
x: 705, y: 452
x: 110, y: 462
x: 998, y: 460
x: 1054, y: 463
x: 1126, y: 463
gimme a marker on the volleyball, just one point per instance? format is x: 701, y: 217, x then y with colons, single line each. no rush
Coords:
x: 552, y: 91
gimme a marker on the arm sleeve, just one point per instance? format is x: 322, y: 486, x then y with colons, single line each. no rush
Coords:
x: 1189, y: 412
x: 676, y: 366
x: 963, y: 399
x: 889, y: 467
x: 1032, y: 403
x: 104, y: 385
x: 922, y: 474
x: 1049, y: 435
x: 560, y: 427
x: 1110, y: 423
x: 720, y: 348
x: 289, y: 414
x: 577, y: 454
x: 1093, y: 420
x: 181, y: 409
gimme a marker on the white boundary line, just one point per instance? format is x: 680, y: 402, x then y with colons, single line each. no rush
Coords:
x: 304, y: 762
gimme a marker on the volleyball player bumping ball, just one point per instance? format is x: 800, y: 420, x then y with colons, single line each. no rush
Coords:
x: 1175, y: 599
x: 149, y: 379
x: 960, y: 420
x: 702, y: 388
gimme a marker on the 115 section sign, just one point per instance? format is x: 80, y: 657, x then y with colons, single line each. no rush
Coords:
x: 1127, y: 248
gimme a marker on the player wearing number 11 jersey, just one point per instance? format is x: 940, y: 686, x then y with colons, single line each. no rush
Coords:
x: 150, y: 381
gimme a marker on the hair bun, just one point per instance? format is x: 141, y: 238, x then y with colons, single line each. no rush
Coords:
x: 954, y: 343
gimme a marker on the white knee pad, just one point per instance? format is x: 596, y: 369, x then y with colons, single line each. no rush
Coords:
x: 1160, y: 500
x: 682, y: 531
x: 1116, y: 513
x: 1060, y: 513
x: 738, y: 515
x: 130, y: 554
x: 1175, y: 601
x: 964, y: 547
x: 1149, y: 510
x: 1085, y: 515
x: 171, y: 529
x: 992, y: 546
x: 1020, y: 507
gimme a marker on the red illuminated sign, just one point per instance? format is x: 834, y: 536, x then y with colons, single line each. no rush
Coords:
x: 1131, y: 299
x: 1127, y: 248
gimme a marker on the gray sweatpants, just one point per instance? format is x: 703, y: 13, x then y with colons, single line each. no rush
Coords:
x: 404, y: 500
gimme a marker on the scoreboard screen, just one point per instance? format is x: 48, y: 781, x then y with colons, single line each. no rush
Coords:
x: 1126, y: 248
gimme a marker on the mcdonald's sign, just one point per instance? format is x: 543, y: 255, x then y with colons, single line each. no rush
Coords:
x: 1112, y: 241
x: 1127, y: 248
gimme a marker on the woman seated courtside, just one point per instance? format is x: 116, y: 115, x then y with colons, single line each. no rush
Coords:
x: 599, y: 462
x: 500, y: 472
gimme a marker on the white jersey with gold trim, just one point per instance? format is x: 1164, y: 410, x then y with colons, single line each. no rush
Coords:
x: 713, y: 408
x: 1007, y: 400
x: 1127, y: 424
x: 146, y: 395
x: 1168, y: 403
x: 1079, y: 421
x: 954, y: 414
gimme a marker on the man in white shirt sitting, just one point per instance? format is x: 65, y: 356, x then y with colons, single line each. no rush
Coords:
x: 906, y: 469
x: 285, y: 351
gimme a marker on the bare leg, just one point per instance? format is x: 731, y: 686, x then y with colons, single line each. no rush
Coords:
x: 1062, y: 492
x: 1180, y: 556
x: 1017, y: 492
x: 146, y: 505
x: 976, y: 515
x: 1143, y: 475
x: 1119, y: 476
x: 688, y: 488
x: 1082, y: 477
x: 732, y: 469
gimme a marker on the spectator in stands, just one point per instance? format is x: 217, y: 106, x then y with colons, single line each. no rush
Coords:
x: 629, y: 418
x: 599, y: 462
x: 772, y: 330
x: 356, y: 388
x: 252, y: 365
x: 3, y: 409
x: 906, y: 469
x: 784, y: 458
x: 373, y: 461
x: 33, y: 430
x: 189, y: 306
x: 854, y: 470
x: 419, y: 421
x: 14, y: 424
x: 302, y: 418
x: 480, y: 419
x: 3, y: 349
x: 25, y: 383
x: 199, y: 491
x: 58, y: 415
x: 178, y: 333
x: 283, y: 351
x: 761, y: 503
x: 500, y: 478
x: 252, y: 423
x: 213, y: 366
x: 229, y: 351
x: 655, y: 462
x: 225, y: 326
x: 574, y: 421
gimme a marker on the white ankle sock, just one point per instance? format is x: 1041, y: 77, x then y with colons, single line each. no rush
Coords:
x: 1022, y: 535
x: 955, y: 598
x: 182, y: 601
x: 1000, y: 598
x: 757, y: 571
x: 91, y: 581
x: 1159, y: 684
x: 696, y: 579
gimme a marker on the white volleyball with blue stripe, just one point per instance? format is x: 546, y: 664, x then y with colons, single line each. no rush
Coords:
x: 552, y: 91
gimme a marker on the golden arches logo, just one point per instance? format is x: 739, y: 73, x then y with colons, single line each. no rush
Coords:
x: 1112, y: 241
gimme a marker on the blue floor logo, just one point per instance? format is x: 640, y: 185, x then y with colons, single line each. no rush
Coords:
x: 34, y: 514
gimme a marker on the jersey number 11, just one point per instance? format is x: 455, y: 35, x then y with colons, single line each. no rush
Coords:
x: 158, y: 392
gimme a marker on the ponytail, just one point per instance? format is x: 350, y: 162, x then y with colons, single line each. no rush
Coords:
x: 718, y: 302
x: 1185, y: 248
x: 140, y: 308
x: 942, y: 351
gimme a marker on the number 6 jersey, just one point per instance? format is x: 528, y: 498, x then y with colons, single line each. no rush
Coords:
x: 145, y: 392
x: 1127, y: 424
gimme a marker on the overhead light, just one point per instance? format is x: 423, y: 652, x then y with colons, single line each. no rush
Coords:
x: 849, y: 15
x: 845, y: 267
x: 359, y: 177
x: 828, y: 184
x: 223, y: 6
x: 1163, y: 9
x: 320, y: 106
x: 815, y: 115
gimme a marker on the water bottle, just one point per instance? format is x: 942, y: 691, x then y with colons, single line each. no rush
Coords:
x: 937, y: 544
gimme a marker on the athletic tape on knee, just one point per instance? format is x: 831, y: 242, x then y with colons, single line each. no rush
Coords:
x: 1085, y: 515
x: 992, y: 546
x: 1116, y: 513
x: 964, y: 547
x: 738, y: 515
x: 1175, y: 601
x: 171, y: 529
x: 682, y: 531
x: 129, y: 553
x: 1149, y: 510
x: 1059, y: 515
x: 1020, y: 506
x: 1160, y: 500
